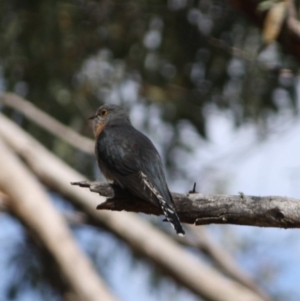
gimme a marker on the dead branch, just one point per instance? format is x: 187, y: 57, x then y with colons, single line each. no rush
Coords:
x: 140, y: 235
x: 30, y: 203
x: 199, y: 209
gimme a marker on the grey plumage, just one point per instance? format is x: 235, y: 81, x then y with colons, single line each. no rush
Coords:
x: 129, y: 158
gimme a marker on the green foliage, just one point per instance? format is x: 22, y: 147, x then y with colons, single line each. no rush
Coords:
x: 186, y: 55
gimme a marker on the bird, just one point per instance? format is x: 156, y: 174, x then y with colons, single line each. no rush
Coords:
x: 129, y: 159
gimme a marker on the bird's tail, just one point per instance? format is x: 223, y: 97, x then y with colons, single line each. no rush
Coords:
x: 171, y: 215
x: 165, y: 204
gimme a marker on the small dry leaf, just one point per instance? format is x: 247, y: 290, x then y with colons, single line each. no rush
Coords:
x: 266, y: 5
x: 274, y: 21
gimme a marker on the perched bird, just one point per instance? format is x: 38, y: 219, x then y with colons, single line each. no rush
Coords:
x: 129, y: 158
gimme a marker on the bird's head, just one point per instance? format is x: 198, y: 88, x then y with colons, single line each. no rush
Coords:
x: 111, y: 114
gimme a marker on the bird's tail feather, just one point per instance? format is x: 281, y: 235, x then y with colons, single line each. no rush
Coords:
x: 171, y: 216
x: 167, y: 207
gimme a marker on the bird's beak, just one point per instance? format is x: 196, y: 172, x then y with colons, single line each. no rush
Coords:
x: 92, y: 117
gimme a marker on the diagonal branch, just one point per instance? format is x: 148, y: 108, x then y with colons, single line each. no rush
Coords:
x: 199, y: 209
x: 199, y: 238
x: 47, y: 122
x: 30, y: 203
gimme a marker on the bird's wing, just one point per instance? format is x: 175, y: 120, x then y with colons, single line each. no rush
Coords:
x: 119, y: 149
x: 135, y: 164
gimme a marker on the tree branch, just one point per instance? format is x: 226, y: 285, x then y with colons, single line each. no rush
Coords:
x: 199, y: 209
x: 199, y: 238
x: 30, y: 203
x: 73, y: 218
x: 47, y: 122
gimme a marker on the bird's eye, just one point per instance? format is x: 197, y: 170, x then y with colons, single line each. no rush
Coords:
x: 103, y: 113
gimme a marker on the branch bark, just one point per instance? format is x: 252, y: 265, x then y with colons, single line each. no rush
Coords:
x: 30, y: 203
x: 140, y: 235
x: 199, y: 209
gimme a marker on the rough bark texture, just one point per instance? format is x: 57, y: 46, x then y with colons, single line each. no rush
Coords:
x: 199, y: 209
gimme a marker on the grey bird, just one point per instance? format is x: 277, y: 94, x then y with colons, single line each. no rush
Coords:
x: 128, y: 158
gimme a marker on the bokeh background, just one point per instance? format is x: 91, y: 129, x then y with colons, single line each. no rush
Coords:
x: 213, y: 83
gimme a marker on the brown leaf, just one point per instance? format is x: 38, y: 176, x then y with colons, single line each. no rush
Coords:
x: 274, y: 21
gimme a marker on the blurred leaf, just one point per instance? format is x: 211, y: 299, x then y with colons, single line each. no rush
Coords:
x: 266, y: 5
x: 273, y: 22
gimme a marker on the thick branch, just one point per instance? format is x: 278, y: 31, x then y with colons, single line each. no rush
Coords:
x: 199, y: 209
x: 73, y: 218
x: 30, y: 203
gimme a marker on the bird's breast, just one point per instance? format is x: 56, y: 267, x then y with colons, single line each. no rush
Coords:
x: 105, y: 171
x: 99, y: 128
